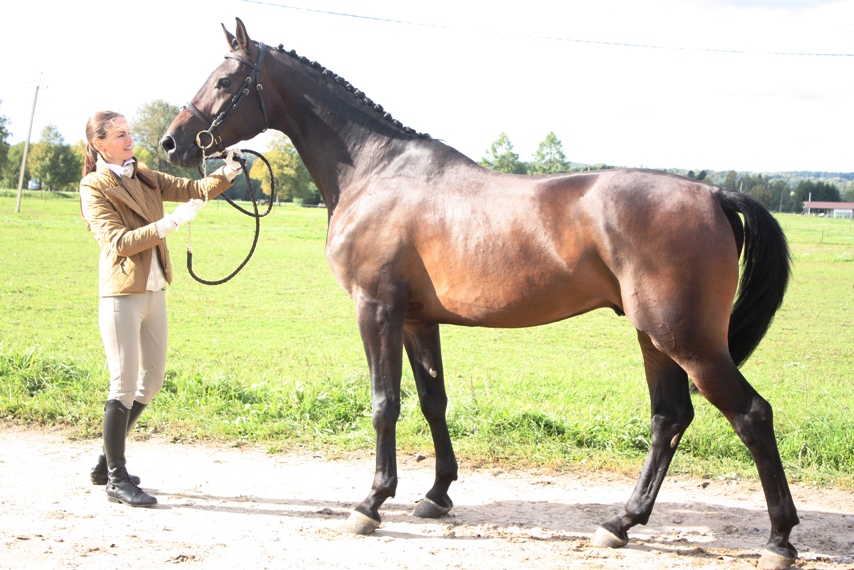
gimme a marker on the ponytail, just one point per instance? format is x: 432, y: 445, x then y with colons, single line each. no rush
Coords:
x: 90, y: 160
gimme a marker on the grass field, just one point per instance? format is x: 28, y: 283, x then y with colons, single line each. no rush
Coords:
x: 274, y: 356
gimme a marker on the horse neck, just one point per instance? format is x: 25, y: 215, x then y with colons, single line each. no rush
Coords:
x: 336, y: 139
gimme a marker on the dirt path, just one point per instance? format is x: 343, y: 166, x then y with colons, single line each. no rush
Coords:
x: 223, y: 507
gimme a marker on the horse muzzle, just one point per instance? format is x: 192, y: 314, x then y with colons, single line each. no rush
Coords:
x: 190, y: 156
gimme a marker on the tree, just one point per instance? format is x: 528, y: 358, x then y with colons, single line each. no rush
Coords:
x: 549, y: 158
x: 730, y: 180
x: 79, y: 150
x: 258, y: 173
x: 761, y: 193
x: 53, y: 162
x: 4, y: 145
x: 151, y: 121
x: 293, y: 182
x: 11, y: 170
x: 780, y: 190
x: 849, y: 193
x: 501, y: 157
x: 747, y: 182
x: 820, y: 191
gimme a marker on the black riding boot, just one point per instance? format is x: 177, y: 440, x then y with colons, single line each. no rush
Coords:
x: 120, y: 489
x: 98, y: 474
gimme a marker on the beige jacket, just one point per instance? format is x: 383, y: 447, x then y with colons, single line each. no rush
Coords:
x: 121, y: 213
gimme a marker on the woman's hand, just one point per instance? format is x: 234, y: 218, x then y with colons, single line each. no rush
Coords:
x: 233, y: 163
x: 186, y: 212
x: 233, y: 159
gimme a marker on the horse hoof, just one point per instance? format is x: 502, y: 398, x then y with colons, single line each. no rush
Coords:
x: 773, y: 561
x: 358, y: 523
x: 607, y: 539
x: 427, y: 509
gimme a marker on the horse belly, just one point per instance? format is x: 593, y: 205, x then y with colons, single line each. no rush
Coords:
x: 509, y: 295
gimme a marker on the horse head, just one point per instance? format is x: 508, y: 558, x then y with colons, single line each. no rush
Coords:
x: 218, y: 116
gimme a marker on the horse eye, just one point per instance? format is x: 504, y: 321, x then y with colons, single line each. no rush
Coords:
x: 222, y: 83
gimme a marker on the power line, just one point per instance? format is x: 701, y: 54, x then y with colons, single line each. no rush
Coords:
x: 552, y: 38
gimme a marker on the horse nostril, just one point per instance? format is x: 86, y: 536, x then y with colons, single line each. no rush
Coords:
x: 167, y: 143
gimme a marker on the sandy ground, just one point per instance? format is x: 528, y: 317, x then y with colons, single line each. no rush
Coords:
x: 224, y: 507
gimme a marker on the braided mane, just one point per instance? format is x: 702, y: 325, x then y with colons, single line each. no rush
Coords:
x: 334, y: 77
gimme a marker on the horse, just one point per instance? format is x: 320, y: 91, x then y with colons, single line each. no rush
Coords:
x: 419, y: 236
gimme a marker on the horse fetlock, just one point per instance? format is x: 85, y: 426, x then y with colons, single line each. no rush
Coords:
x: 440, y: 497
x: 384, y: 416
x: 446, y: 472
x: 384, y: 488
x: 779, y: 542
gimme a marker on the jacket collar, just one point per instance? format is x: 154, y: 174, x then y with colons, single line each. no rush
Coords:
x: 128, y: 190
x: 127, y: 170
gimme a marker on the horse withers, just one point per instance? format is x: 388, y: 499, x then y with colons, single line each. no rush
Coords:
x: 419, y: 235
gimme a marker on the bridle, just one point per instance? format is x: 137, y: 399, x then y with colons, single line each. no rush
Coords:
x: 215, y: 139
x: 243, y: 93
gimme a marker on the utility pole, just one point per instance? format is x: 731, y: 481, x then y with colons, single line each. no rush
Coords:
x: 26, y: 149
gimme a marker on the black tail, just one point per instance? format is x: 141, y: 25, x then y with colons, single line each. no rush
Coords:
x: 766, y: 268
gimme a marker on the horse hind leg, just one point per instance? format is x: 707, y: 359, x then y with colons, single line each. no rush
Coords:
x: 720, y: 381
x: 672, y: 412
x: 423, y: 348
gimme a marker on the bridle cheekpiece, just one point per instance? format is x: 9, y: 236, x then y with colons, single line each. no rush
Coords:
x: 210, y: 126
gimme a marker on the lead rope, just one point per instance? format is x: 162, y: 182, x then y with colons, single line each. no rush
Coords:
x: 255, y: 214
x: 204, y: 167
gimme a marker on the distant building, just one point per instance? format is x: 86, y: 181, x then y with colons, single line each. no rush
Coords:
x: 830, y: 209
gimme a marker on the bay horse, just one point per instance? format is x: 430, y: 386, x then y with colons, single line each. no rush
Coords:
x: 419, y: 235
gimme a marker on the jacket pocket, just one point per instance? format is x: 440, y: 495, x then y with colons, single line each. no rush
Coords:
x: 114, y: 271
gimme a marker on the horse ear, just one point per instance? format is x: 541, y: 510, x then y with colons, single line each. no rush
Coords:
x: 229, y: 37
x: 242, y: 36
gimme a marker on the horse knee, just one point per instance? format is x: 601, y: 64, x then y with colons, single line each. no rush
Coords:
x: 385, y: 416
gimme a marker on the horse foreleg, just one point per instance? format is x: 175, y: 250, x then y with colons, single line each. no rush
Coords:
x: 381, y: 328
x: 672, y: 412
x: 421, y: 341
x: 751, y: 417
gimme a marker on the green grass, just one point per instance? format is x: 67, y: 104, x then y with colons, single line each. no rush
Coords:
x: 274, y: 356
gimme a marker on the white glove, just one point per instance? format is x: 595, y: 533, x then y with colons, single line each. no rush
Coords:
x: 186, y: 212
x: 231, y: 159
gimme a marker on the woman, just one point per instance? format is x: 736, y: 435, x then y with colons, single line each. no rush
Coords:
x: 122, y: 203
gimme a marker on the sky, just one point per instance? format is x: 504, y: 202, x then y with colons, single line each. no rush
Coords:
x: 693, y: 84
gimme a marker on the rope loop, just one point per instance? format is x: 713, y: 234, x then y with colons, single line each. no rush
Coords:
x: 254, y: 213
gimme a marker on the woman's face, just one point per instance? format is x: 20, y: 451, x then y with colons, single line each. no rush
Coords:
x: 118, y: 146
